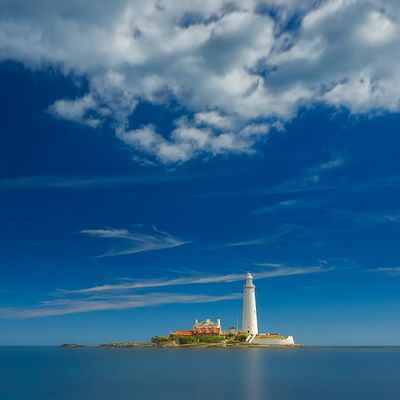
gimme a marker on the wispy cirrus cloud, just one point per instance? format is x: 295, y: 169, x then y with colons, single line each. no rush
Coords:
x: 124, y: 295
x: 273, y: 271
x: 312, y: 182
x: 309, y: 180
x: 320, y: 189
x: 366, y: 217
x: 391, y: 271
x: 107, y: 233
x: 135, y: 241
x: 280, y: 206
x: 55, y: 307
x: 271, y: 239
x: 87, y: 182
x: 325, y: 206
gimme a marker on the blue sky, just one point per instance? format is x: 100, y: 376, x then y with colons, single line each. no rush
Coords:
x: 151, y: 154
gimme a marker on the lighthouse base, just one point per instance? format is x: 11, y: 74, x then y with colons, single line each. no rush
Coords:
x: 272, y: 339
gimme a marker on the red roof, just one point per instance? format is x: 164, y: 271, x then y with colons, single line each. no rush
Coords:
x: 183, y: 333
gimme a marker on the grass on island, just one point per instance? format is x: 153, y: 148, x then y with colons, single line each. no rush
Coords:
x: 272, y: 336
x: 206, y: 339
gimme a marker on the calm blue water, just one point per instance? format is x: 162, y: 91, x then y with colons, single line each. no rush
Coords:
x: 44, y: 373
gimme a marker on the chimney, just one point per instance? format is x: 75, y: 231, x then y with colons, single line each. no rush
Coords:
x: 219, y: 322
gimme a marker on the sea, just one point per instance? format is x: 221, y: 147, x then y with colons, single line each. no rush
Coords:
x: 52, y: 373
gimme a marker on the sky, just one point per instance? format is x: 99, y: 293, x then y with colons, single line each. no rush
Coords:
x: 154, y: 151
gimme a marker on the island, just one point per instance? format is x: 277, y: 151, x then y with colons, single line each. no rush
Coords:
x: 205, y: 341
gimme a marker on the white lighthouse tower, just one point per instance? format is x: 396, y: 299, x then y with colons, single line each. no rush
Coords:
x: 249, y: 323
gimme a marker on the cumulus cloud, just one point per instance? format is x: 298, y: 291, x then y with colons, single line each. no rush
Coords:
x: 76, y: 110
x: 135, y: 241
x: 187, y: 141
x: 235, y: 69
x: 214, y: 118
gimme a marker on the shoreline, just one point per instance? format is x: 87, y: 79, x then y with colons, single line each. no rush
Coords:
x: 148, y: 345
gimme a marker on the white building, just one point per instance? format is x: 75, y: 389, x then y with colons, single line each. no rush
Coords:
x: 207, y: 327
x: 249, y: 323
x: 272, y: 340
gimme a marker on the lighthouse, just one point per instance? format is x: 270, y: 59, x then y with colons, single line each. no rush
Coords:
x: 249, y: 323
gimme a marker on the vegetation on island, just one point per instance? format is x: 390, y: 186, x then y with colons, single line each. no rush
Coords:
x: 177, y: 340
x: 160, y: 339
x: 226, y: 340
x: 211, y: 339
x: 242, y: 337
x: 277, y: 336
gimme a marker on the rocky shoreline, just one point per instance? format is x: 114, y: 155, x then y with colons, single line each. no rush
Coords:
x: 173, y: 345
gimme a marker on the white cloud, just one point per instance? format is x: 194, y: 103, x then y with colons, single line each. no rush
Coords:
x: 187, y: 141
x: 107, y: 233
x: 325, y: 12
x: 281, y: 205
x: 71, y: 182
x: 366, y: 217
x: 378, y: 29
x: 106, y: 303
x: 215, y: 119
x: 119, y: 296
x: 272, y: 239
x: 76, y: 110
x: 391, y: 271
x: 310, y: 179
x: 227, y: 62
x: 135, y: 241
x: 277, y: 271
x: 254, y: 130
